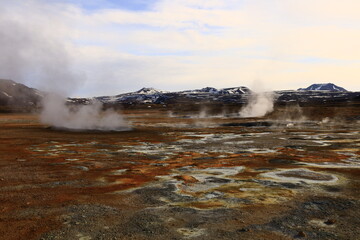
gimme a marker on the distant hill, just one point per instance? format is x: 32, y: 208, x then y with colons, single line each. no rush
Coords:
x: 324, y: 87
x: 16, y: 97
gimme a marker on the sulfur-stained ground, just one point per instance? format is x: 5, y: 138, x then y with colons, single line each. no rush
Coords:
x: 178, y: 176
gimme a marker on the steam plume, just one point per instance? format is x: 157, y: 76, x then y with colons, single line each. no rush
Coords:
x: 84, y: 117
x: 36, y: 52
x: 259, y: 104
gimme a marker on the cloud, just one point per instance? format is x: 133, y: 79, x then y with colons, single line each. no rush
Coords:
x: 182, y: 44
x: 34, y: 51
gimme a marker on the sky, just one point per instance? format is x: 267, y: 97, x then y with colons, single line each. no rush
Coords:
x: 107, y: 47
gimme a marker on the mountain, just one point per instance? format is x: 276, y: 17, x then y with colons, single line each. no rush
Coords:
x: 17, y: 97
x: 315, y: 94
x: 153, y: 96
x: 326, y: 93
x: 323, y: 87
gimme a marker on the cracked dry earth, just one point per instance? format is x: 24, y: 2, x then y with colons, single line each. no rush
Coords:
x: 180, y: 178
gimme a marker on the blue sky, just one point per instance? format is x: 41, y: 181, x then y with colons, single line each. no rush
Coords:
x: 132, y: 5
x: 120, y: 46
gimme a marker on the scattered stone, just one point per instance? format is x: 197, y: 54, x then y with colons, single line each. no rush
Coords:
x: 301, y: 234
x: 214, y: 194
x: 330, y: 221
x: 244, y: 230
x: 186, y: 178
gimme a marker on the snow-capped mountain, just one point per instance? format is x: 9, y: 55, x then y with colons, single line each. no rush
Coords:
x: 149, y: 91
x: 144, y: 95
x: 316, y: 93
x: 151, y: 95
x: 323, y: 87
x: 223, y: 91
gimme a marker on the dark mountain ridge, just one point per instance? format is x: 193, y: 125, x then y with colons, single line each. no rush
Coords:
x: 16, y: 97
x: 323, y: 87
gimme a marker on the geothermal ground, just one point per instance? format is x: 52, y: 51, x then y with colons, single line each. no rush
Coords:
x: 174, y: 176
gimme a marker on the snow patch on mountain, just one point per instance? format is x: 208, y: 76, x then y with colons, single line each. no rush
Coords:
x: 235, y: 90
x: 7, y: 94
x: 223, y: 91
x: 149, y: 91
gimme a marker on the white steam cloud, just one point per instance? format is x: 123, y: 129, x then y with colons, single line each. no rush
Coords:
x: 33, y: 53
x: 259, y: 103
x: 83, y: 117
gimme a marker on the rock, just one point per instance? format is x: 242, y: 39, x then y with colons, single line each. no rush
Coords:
x: 186, y: 178
x: 217, y: 180
x: 301, y: 234
x: 330, y: 221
